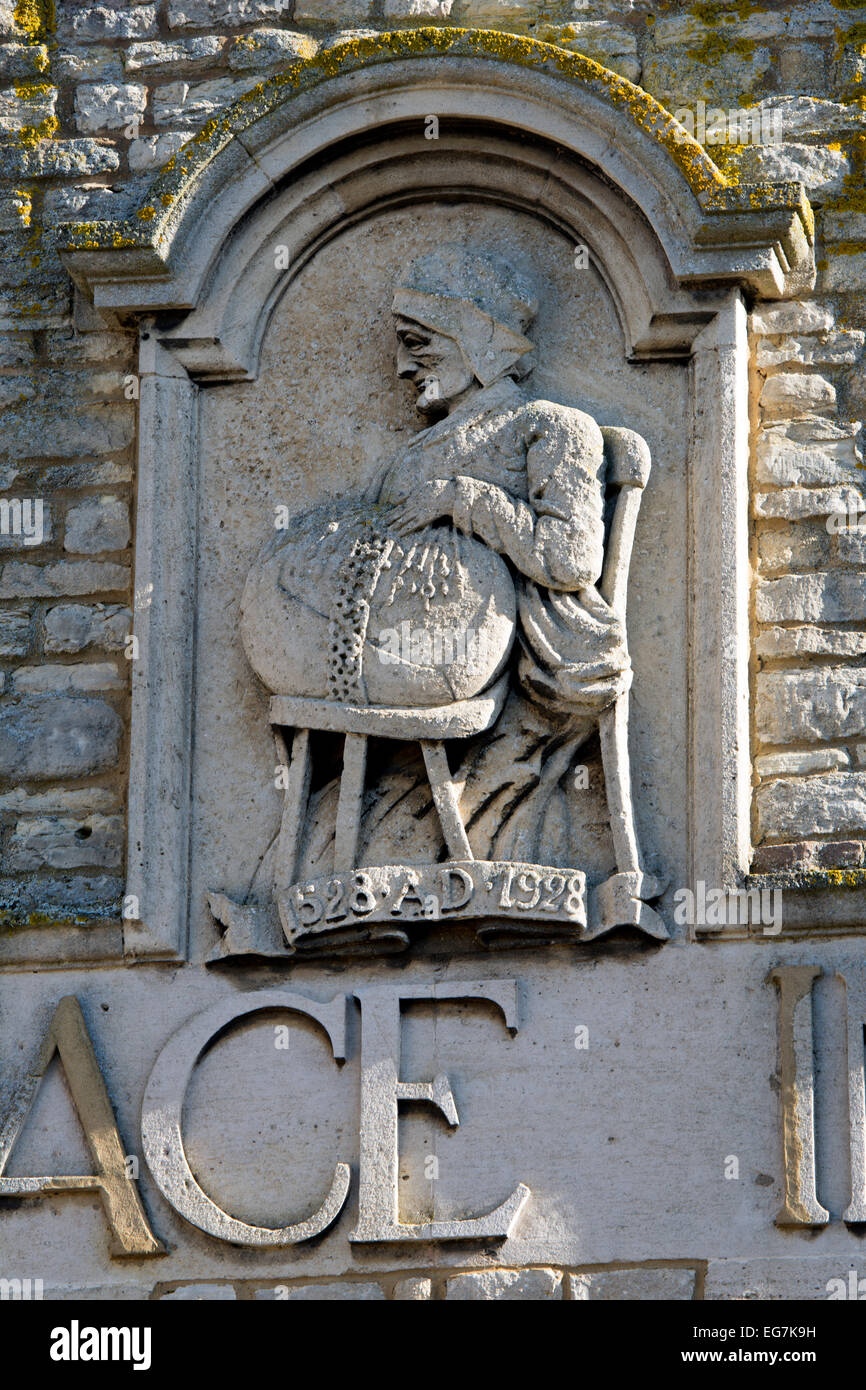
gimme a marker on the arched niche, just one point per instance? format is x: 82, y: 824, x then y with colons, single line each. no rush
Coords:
x: 337, y: 144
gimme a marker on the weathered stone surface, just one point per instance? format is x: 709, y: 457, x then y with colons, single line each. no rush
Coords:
x: 97, y: 525
x: 812, y: 760
x: 810, y: 641
x: 78, y: 430
x: 504, y: 1284
x: 16, y: 631
x: 820, y: 704
x: 824, y: 597
x: 201, y: 1293
x: 58, y: 159
x: 70, y: 627
x: 348, y: 1291
x: 612, y: 45
x: 794, y: 547
x: 829, y: 805
x: 823, y: 170
x: 103, y: 106
x: 26, y: 107
x: 416, y: 11
x: 263, y: 47
x: 53, y: 736
x: 60, y: 800
x: 203, y: 51
x: 413, y: 1290
x: 832, y: 349
x: 216, y: 14
x: 22, y: 60
x: 805, y: 316
x: 61, y: 843
x: 182, y: 104
x: 152, y: 152
x: 781, y: 1278
x: 790, y: 394
x: 637, y: 1285
x: 796, y: 453
x: 57, y: 680
x: 796, y: 503
x: 112, y: 22
x: 681, y: 80
x: 19, y: 580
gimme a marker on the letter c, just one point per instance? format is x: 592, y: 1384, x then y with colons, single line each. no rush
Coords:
x: 162, y: 1110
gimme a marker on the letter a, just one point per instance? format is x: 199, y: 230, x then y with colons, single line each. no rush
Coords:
x: 68, y: 1036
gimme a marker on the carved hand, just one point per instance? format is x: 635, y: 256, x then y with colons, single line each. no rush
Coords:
x: 430, y: 502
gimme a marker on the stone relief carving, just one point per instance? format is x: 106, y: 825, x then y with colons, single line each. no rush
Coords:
x: 471, y: 601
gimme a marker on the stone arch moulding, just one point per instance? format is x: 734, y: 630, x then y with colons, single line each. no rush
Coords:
x: 330, y: 141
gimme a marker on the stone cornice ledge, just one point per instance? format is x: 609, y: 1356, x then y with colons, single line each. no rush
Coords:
x: 765, y: 229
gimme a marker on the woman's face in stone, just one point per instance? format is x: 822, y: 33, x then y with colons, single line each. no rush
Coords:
x: 434, y: 363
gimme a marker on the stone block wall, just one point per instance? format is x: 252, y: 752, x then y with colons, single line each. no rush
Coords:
x: 95, y: 98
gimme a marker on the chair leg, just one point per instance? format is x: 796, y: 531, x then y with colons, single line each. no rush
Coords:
x: 347, y: 833
x: 446, y: 799
x: 613, y: 734
x: 294, y: 810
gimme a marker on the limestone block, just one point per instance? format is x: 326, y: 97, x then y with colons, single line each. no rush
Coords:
x: 797, y: 503
x: 793, y: 453
x: 26, y: 107
x: 845, y: 273
x: 201, y: 1293
x: 106, y: 106
x: 67, y: 430
x: 832, y: 349
x: 612, y: 45
x: 794, y: 547
x: 792, y: 317
x: 19, y: 60
x: 816, y: 1277
x: 822, y: 597
x: 413, y: 1290
x: 19, y: 580
x: 796, y: 393
x: 500, y: 14
x: 15, y: 631
x: 795, y: 116
x: 834, y: 804
x: 45, y: 736
x: 504, y: 1284
x: 151, y: 152
x: 823, y: 170
x: 182, y: 104
x: 60, y: 800
x: 328, y: 12
x: 681, y: 80
x: 88, y: 62
x: 111, y: 22
x: 809, y: 641
x: 204, y: 51
x: 416, y: 11
x: 57, y: 680
x: 812, y: 760
x: 219, y: 14
x: 636, y: 1285
x: 71, y: 627
x: 348, y: 1290
x: 97, y: 525
x: 844, y: 225
x: 825, y: 703
x: 263, y: 47
x: 54, y: 842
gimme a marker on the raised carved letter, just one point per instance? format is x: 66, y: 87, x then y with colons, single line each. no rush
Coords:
x: 796, y: 1046
x: 68, y: 1036
x: 381, y: 1092
x: 162, y: 1111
